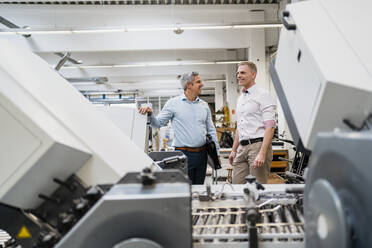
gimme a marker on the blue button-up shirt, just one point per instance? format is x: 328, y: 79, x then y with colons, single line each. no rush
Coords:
x: 191, y: 121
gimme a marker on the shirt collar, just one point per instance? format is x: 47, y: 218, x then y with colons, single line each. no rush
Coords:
x: 184, y: 98
x: 250, y: 90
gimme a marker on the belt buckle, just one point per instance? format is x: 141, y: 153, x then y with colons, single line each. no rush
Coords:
x: 249, y: 141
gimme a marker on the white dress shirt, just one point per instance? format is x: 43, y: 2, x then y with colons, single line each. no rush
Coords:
x: 255, y: 112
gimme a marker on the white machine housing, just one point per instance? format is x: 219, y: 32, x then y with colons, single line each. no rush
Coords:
x: 49, y: 130
x: 129, y: 121
x: 324, y: 67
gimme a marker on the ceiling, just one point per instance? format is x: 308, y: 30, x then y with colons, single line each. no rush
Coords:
x: 146, y: 2
x: 156, y: 46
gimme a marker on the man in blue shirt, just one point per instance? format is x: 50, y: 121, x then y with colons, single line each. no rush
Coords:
x: 191, y: 121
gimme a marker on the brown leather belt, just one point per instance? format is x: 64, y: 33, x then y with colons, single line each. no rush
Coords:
x: 191, y: 149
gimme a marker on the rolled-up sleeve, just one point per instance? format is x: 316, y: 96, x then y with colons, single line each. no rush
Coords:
x: 211, y: 129
x: 163, y: 117
x: 268, y: 109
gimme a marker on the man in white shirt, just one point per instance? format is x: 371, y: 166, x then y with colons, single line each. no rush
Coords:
x: 252, y: 152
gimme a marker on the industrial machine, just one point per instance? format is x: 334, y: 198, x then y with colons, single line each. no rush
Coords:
x: 323, y: 78
x: 66, y: 183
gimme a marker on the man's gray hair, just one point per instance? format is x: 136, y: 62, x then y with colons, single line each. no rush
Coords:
x: 187, y: 77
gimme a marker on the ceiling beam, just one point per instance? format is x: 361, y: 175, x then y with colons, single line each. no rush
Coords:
x: 136, y: 41
x: 72, y: 17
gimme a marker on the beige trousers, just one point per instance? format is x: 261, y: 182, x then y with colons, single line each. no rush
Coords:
x: 243, y: 164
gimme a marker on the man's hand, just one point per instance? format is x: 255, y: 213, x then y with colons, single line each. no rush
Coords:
x: 145, y: 110
x: 259, y: 161
x: 232, y: 157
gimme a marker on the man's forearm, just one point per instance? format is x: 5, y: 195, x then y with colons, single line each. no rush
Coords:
x: 236, y: 141
x: 268, y: 136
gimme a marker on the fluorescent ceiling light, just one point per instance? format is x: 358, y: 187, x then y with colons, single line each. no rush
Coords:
x: 273, y: 25
x: 199, y: 63
x: 166, y: 63
x: 150, y: 64
x: 44, y: 32
x: 96, y: 31
x: 206, y: 27
x: 41, y: 31
x: 31, y: 32
x: 227, y: 62
x: 2, y: 32
x: 128, y: 65
x: 88, y: 66
x: 150, y: 29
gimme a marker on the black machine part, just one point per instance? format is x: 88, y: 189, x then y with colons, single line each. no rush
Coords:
x: 252, y: 213
x: 55, y: 216
x: 166, y: 176
x: 137, y: 214
x: 25, y: 229
x: 337, y: 192
x: 170, y: 160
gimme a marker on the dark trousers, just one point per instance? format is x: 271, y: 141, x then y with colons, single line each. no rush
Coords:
x: 197, y: 166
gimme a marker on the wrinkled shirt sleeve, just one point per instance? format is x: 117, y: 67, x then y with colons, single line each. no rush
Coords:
x: 268, y: 109
x: 163, y: 117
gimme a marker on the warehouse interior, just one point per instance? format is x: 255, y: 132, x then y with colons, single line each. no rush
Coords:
x: 82, y: 167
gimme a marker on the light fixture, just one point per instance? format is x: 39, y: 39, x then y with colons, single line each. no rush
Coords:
x: 149, y: 29
x: 32, y: 32
x: 88, y: 66
x: 153, y: 64
x: 207, y: 27
x: 97, y: 31
x: 178, y: 29
x: 128, y: 65
x: 227, y: 62
x: 271, y: 25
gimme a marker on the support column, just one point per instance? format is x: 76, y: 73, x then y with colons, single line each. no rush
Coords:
x: 232, y: 87
x: 218, y: 96
x: 159, y: 104
x: 256, y: 51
